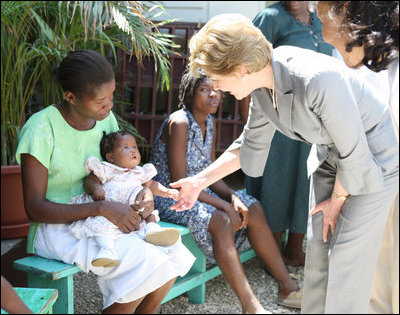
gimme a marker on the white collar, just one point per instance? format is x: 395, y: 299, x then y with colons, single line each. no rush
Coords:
x: 137, y: 169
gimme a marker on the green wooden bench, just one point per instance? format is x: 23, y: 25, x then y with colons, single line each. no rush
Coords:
x: 47, y: 273
x: 40, y: 301
x: 194, y: 282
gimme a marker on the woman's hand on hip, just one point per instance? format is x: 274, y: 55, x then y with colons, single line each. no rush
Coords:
x: 144, y: 200
x: 188, y: 193
x: 122, y: 215
x: 330, y: 209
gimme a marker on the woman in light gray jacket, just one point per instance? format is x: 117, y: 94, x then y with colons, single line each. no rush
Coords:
x: 374, y: 25
x: 353, y: 163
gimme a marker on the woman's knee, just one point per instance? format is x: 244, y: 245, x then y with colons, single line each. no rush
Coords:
x: 220, y: 223
x: 256, y: 214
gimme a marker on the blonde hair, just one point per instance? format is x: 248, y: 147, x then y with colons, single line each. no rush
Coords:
x: 227, y: 42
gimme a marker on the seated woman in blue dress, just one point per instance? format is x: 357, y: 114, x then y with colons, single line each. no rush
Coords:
x: 221, y: 219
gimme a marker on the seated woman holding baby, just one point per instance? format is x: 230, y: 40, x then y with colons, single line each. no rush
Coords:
x: 54, y: 145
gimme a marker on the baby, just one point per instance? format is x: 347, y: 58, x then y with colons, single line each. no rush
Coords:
x: 120, y: 178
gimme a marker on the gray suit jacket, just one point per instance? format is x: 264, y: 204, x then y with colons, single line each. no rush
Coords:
x: 322, y: 102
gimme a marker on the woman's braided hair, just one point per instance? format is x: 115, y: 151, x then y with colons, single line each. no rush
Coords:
x: 374, y: 24
x: 188, y: 86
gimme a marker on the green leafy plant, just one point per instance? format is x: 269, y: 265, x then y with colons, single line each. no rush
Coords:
x: 37, y: 35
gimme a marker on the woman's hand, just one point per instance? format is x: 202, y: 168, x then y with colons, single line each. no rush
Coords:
x: 330, y: 209
x: 122, y: 215
x: 241, y: 209
x: 173, y: 193
x: 234, y: 216
x: 144, y: 199
x: 188, y: 193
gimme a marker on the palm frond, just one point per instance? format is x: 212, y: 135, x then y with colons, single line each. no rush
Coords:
x: 37, y: 35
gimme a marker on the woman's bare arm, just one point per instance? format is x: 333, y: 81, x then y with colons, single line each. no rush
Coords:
x: 191, y: 187
x: 220, y: 187
x: 93, y: 187
x: 176, y: 143
x: 39, y: 209
x: 10, y: 300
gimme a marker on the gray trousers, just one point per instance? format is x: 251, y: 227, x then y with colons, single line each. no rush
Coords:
x: 338, y: 275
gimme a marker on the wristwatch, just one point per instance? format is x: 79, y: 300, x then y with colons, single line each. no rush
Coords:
x: 335, y: 195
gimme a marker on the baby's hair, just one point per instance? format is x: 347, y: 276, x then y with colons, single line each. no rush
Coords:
x: 188, y: 86
x: 108, y: 140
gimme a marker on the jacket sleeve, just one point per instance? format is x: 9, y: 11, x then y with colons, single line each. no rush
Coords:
x: 255, y: 141
x: 331, y: 98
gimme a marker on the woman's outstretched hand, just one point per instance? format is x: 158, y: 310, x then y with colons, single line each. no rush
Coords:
x: 188, y: 191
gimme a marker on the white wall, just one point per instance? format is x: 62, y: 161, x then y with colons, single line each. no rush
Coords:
x: 202, y: 11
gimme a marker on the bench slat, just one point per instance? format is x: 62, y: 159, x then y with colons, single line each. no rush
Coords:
x: 47, y: 267
x: 40, y: 301
x: 183, y: 230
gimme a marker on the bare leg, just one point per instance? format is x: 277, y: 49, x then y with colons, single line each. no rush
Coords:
x: 293, y: 253
x: 227, y: 258
x: 152, y: 301
x: 145, y: 305
x: 122, y: 308
x: 264, y: 244
x: 278, y: 239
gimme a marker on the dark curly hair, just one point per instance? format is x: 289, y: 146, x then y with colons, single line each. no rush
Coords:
x: 374, y: 24
x: 108, y: 140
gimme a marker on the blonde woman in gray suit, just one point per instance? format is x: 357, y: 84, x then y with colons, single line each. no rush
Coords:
x: 353, y: 164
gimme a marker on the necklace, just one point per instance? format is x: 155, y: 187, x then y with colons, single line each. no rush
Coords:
x: 273, y: 94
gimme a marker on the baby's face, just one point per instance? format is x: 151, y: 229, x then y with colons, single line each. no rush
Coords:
x: 125, y: 152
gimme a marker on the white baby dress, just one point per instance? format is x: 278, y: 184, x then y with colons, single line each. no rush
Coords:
x: 120, y: 184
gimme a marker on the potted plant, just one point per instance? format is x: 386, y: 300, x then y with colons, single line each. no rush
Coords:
x: 36, y: 36
x: 16, y: 88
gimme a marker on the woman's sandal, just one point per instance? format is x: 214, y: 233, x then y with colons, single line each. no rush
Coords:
x: 292, y: 300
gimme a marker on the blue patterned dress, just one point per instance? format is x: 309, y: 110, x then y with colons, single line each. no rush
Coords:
x: 198, y: 157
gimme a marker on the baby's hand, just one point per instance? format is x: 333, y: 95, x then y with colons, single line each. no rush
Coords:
x: 99, y: 194
x: 173, y: 193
